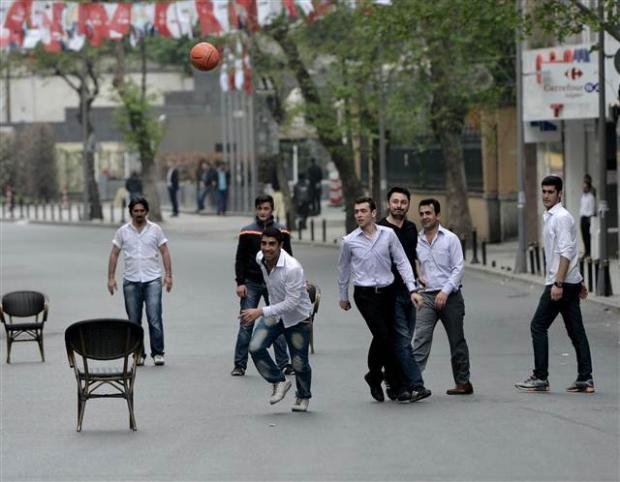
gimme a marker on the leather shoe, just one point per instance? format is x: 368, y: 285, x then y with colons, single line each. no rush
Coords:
x: 376, y: 391
x: 461, y: 389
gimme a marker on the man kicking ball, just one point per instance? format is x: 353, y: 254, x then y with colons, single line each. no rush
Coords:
x: 288, y: 314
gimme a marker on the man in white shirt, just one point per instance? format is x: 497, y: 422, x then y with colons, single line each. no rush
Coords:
x: 587, y: 209
x: 441, y: 270
x: 288, y: 313
x: 563, y: 291
x: 141, y: 242
x: 366, y: 258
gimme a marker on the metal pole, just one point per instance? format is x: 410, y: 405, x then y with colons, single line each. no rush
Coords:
x: 601, y: 285
x: 245, y: 151
x: 252, y: 153
x: 520, y: 261
x: 382, y: 154
x: 85, y: 197
x: 224, y: 119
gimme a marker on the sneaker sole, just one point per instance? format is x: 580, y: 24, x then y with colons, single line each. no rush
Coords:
x: 581, y: 390
x: 287, y: 387
x: 299, y: 410
x: 531, y: 390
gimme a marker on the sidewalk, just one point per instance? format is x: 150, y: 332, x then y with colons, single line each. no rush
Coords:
x: 329, y: 228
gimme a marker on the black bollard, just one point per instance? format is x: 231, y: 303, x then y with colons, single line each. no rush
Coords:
x: 53, y: 216
x: 595, y: 273
x: 28, y: 210
x: 544, y: 262
x: 59, y: 211
x: 123, y: 212
x: 493, y: 264
x: 44, y: 208
x: 464, y: 246
x: 324, y: 227
x: 70, y: 213
x: 474, y: 247
x: 483, y: 248
x: 608, y: 289
x: 299, y: 226
x: 312, y: 230
x: 537, y: 254
x: 530, y: 250
x: 21, y: 208
x: 111, y: 212
x: 590, y: 279
x: 36, y: 211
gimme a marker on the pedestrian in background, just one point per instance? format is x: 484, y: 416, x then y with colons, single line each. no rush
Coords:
x: 441, y: 263
x: 587, y: 209
x: 315, y: 176
x: 399, y: 199
x: 142, y: 242
x: 301, y: 197
x: 366, y: 258
x: 287, y: 316
x: 223, y: 181
x: 133, y: 184
x: 251, y: 285
x: 564, y: 288
x: 172, y: 182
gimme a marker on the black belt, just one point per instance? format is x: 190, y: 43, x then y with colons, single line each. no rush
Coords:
x: 373, y: 289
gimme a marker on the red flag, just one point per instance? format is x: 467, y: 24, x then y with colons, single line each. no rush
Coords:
x: 247, y: 72
x: 291, y: 8
x: 209, y: 24
x: 120, y: 21
x: 54, y: 25
x: 93, y: 22
x: 249, y: 15
x: 18, y: 13
x: 321, y: 7
x: 161, y: 19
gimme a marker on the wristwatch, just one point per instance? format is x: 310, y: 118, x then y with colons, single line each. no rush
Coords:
x: 558, y: 284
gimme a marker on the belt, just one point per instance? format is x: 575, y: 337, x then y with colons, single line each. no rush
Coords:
x: 373, y: 289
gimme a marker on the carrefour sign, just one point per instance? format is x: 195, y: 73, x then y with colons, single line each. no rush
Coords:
x: 562, y: 82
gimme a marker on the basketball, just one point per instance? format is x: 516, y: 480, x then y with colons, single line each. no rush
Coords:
x: 204, y: 56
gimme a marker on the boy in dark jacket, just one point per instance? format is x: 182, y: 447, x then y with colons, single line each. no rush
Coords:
x: 250, y: 284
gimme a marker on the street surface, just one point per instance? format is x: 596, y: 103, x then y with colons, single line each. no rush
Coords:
x: 196, y: 422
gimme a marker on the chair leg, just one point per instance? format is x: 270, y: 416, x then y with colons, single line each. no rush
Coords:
x: 132, y: 419
x: 40, y: 340
x: 81, y: 410
x: 9, y: 343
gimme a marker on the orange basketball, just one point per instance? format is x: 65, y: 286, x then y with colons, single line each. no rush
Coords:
x: 204, y: 56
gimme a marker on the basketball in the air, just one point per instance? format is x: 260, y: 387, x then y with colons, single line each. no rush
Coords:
x: 204, y: 56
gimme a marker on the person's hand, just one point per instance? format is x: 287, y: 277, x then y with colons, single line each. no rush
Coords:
x: 242, y: 291
x: 112, y: 285
x: 440, y: 300
x: 249, y: 315
x: 417, y: 300
x: 422, y: 281
x: 556, y: 293
x: 583, y: 292
x: 345, y: 305
x: 168, y: 283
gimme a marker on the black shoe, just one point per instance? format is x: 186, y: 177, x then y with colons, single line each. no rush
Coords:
x: 238, y: 372
x: 404, y: 396
x: 391, y: 394
x: 420, y: 394
x: 288, y: 370
x: 376, y: 391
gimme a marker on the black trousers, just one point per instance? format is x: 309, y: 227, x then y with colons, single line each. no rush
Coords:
x: 585, y: 234
x: 546, y: 312
x: 377, y: 309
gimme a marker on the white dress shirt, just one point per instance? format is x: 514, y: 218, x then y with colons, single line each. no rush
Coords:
x: 441, y: 260
x: 560, y: 235
x: 286, y: 285
x: 141, y: 251
x: 369, y: 261
x: 587, y: 204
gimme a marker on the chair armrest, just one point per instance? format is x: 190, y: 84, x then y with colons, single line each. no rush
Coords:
x: 46, y: 308
x: 2, y: 315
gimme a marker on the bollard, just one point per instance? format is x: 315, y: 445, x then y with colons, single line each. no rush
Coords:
x: 464, y: 246
x: 3, y: 209
x: 483, y: 248
x: 112, y: 212
x: 474, y: 247
x: 493, y: 264
x: 36, y: 211
x: 44, y: 209
x: 70, y: 213
x: 537, y: 254
x: 608, y: 289
x: 123, y: 212
x: 312, y: 230
x: 590, y: 280
x: 324, y: 227
x: 530, y: 250
x: 59, y: 211
x: 28, y: 210
x: 595, y: 273
x: 544, y: 257
x: 53, y: 216
x: 299, y: 228
x: 21, y: 208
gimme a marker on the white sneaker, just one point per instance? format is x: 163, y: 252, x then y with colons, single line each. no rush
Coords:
x: 279, y: 391
x: 301, y: 405
x: 159, y: 360
x: 141, y: 360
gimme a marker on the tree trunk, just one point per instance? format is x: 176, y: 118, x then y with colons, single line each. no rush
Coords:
x: 95, y: 209
x: 324, y: 120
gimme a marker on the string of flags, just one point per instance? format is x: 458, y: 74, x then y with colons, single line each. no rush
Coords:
x: 65, y: 25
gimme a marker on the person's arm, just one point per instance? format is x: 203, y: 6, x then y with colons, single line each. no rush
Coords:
x: 112, y: 261
x: 165, y: 256
x: 399, y: 258
x: 344, y: 274
x: 294, y: 288
x: 240, y: 258
x: 566, y: 248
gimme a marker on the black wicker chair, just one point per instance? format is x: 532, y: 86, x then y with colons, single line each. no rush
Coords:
x: 24, y: 304
x: 104, y: 340
x: 315, y: 297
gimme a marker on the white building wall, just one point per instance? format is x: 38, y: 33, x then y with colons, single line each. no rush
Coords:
x: 44, y: 99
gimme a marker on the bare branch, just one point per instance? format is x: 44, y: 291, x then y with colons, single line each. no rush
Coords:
x: 610, y: 28
x: 66, y: 78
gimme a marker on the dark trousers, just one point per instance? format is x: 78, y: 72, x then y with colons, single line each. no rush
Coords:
x: 377, y: 309
x: 173, y: 199
x: 585, y: 234
x: 545, y: 314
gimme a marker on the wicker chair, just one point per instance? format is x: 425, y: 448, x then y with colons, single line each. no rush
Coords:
x: 24, y: 304
x: 104, y: 340
x: 315, y: 297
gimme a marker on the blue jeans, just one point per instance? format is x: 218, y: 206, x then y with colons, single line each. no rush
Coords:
x: 297, y: 338
x: 255, y: 292
x: 404, y: 326
x: 149, y: 295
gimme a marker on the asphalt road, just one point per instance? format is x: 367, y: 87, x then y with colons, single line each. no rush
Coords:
x: 196, y: 422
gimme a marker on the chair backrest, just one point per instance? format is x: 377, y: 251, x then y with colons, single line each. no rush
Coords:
x: 23, y: 303
x: 103, y: 339
x: 314, y: 292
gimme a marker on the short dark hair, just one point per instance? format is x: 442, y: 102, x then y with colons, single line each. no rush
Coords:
x: 552, y: 181
x: 367, y: 199
x: 272, y: 232
x: 263, y: 198
x: 400, y: 190
x: 138, y: 200
x: 431, y: 202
